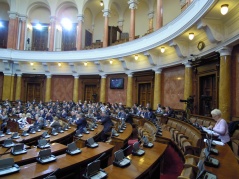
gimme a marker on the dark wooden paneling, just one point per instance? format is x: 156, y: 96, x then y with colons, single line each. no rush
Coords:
x: 62, y: 88
x: 87, y: 82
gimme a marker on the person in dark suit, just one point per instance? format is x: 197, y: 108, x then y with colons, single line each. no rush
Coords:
x: 39, y: 123
x: 169, y: 112
x: 106, y: 121
x: 55, y: 123
x: 80, y: 122
x: 129, y: 118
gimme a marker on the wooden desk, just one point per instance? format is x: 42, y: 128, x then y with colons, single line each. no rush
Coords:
x: 140, y: 167
x: 32, y: 154
x: 4, y: 138
x: 64, y: 137
x: 120, y: 141
x: 31, y: 139
x: 3, y: 150
x: 93, y: 134
x: 165, y: 138
x: 66, y: 163
x: 228, y: 167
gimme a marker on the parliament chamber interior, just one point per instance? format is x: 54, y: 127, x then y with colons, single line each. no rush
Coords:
x: 119, y: 89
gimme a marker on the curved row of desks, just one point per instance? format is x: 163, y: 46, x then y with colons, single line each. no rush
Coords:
x: 75, y: 166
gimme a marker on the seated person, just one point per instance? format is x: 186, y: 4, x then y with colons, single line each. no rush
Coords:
x: 4, y: 118
x: 80, y: 122
x: 159, y: 109
x: 221, y: 127
x: 129, y: 118
x: 23, y: 120
x: 108, y: 124
x: 169, y: 112
x: 39, y: 123
x: 56, y: 123
x: 49, y: 117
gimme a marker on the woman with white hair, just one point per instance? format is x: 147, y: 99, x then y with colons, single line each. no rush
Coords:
x: 221, y: 127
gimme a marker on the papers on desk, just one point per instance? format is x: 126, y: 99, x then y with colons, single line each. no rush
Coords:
x: 205, y: 129
x: 215, y: 142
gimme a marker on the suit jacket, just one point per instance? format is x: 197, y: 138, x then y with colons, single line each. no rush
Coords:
x: 106, y: 121
x: 81, y: 123
x: 56, y: 124
x: 129, y: 119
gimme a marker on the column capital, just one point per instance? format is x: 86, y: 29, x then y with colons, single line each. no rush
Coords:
x: 106, y: 12
x: 76, y: 75
x: 52, y: 19
x: 187, y: 64
x: 12, y: 15
x: 48, y: 75
x: 80, y: 17
x: 151, y: 14
x: 225, y: 51
x: 103, y: 75
x: 133, y: 4
x: 130, y: 74
x: 158, y: 70
x: 23, y: 18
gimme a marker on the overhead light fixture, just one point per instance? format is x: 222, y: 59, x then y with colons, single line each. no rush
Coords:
x: 111, y: 61
x: 136, y: 57
x: 59, y: 64
x: 162, y: 49
x: 38, y: 27
x: 31, y: 63
x: 101, y: 3
x: 66, y: 23
x: 85, y: 63
x: 1, y: 24
x: 224, y: 9
x: 191, y: 36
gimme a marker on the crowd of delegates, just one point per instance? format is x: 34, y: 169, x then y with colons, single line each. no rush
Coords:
x: 56, y: 114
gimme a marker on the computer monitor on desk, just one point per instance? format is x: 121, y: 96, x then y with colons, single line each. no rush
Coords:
x: 18, y: 149
x: 7, y: 166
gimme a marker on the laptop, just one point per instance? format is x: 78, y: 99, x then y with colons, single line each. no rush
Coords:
x: 7, y: 166
x: 45, y: 156
x: 120, y: 159
x: 136, y: 150
x: 72, y: 149
x: 43, y: 143
x: 91, y: 143
x: 18, y: 149
x: 94, y: 171
x: 15, y: 135
x: 8, y: 143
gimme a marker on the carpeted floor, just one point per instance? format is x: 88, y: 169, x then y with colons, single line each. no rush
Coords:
x: 173, y: 164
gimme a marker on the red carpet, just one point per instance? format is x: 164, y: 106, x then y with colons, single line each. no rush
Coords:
x: 173, y: 164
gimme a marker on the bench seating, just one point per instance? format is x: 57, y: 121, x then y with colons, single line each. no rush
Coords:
x: 186, y: 137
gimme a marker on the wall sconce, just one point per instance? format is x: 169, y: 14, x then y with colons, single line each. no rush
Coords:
x: 101, y: 3
x: 224, y: 9
x: 162, y: 49
x: 136, y: 57
x: 31, y: 63
x: 191, y: 36
x: 111, y: 62
x: 85, y: 63
x: 59, y: 64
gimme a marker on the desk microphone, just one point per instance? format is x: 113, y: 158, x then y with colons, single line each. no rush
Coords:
x: 5, y: 152
x: 51, y: 175
x: 99, y: 157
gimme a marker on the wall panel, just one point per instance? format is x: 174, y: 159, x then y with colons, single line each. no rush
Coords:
x: 173, y: 87
x: 62, y: 88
